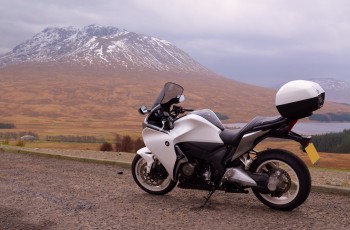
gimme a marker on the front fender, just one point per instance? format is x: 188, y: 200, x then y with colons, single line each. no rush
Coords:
x: 147, y: 155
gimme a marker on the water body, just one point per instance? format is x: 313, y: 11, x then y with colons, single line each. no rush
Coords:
x: 311, y: 128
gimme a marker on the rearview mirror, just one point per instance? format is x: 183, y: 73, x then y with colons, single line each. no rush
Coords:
x: 143, y: 110
x: 182, y: 98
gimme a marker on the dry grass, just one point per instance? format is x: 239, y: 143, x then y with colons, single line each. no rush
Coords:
x: 59, y: 145
x: 57, y: 101
x: 54, y: 100
x: 327, y: 160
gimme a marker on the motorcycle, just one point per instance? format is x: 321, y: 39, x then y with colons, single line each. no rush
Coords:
x: 193, y: 150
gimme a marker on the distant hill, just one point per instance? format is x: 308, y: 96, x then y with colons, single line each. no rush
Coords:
x: 103, y: 46
x: 336, y: 90
x: 93, y: 80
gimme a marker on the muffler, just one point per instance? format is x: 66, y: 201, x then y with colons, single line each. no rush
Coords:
x: 246, y: 178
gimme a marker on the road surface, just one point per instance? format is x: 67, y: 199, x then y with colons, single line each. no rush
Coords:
x: 46, y: 193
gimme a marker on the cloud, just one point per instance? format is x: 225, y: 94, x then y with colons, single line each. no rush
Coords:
x: 226, y: 30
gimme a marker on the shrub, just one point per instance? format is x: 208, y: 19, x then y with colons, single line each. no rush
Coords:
x: 118, y: 143
x: 138, y: 144
x: 20, y: 143
x: 127, y: 144
x: 5, y: 142
x: 106, y: 147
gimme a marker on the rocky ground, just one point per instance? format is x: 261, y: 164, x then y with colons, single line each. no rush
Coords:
x: 48, y: 193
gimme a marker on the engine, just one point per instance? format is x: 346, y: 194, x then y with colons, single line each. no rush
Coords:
x: 194, y: 175
x: 188, y: 169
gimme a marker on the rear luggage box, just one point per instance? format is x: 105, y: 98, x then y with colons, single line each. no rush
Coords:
x: 298, y: 99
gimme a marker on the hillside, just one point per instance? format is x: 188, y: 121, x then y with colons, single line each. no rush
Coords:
x: 91, y: 81
x: 54, y: 98
x: 58, y: 100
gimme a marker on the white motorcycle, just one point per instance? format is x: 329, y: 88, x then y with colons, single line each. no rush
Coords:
x: 195, y: 151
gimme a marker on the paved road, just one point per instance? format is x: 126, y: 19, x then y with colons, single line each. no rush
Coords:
x: 46, y: 193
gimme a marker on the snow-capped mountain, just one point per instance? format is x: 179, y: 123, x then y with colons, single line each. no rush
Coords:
x: 336, y: 90
x: 107, y: 46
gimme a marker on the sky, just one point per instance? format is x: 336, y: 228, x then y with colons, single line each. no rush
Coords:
x: 261, y: 42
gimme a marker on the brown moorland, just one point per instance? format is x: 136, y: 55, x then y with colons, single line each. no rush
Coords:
x: 61, y: 100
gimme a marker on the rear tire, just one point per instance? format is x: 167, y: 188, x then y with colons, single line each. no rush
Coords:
x: 295, y: 171
x: 158, y: 184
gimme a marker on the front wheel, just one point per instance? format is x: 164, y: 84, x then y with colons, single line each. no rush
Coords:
x: 289, y: 179
x: 157, y: 182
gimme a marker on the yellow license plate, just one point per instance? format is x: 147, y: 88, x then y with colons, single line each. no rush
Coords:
x: 312, y: 153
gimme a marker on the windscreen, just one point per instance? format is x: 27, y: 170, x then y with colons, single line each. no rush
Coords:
x: 169, y: 91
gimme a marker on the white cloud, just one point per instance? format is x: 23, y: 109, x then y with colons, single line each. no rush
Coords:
x: 204, y: 28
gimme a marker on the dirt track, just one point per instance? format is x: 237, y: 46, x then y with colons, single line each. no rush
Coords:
x: 45, y: 193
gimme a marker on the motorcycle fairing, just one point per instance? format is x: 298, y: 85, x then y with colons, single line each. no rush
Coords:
x: 161, y: 145
x: 146, y: 154
x: 189, y: 128
x: 195, y: 128
x: 247, y: 143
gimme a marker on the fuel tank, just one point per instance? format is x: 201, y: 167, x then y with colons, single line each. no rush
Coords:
x: 198, y: 126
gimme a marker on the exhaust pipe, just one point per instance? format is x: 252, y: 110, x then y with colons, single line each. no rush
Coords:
x: 246, y: 178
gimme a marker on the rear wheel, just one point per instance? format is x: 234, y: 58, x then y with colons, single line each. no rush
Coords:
x: 289, y: 179
x: 157, y: 182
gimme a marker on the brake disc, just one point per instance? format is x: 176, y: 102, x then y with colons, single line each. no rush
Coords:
x: 280, y: 183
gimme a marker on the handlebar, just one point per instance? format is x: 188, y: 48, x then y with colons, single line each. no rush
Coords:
x: 179, y: 109
x: 168, y: 118
x: 188, y: 110
x: 164, y: 114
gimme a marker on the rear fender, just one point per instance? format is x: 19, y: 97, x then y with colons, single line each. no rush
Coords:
x: 303, y: 140
x: 147, y: 155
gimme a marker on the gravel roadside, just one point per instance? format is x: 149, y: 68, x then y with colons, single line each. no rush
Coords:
x: 328, y: 178
x: 48, y: 193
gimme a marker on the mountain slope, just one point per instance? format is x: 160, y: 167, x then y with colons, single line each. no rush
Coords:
x: 69, y: 101
x: 103, y: 46
x: 51, y: 98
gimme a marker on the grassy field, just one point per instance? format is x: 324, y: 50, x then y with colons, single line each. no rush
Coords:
x: 327, y: 160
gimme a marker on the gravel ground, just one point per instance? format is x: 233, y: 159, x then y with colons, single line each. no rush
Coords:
x: 320, y: 176
x: 47, y: 193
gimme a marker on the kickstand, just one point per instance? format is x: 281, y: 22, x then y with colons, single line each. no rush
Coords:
x: 207, y: 198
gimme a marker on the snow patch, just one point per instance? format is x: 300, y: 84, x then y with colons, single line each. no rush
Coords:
x: 94, y: 44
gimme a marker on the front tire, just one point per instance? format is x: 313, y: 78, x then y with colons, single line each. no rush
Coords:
x: 296, y: 180
x: 157, y: 182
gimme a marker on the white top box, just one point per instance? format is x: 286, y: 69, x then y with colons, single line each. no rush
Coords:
x: 299, y: 98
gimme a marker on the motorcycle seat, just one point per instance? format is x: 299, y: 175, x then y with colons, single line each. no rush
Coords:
x: 233, y: 137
